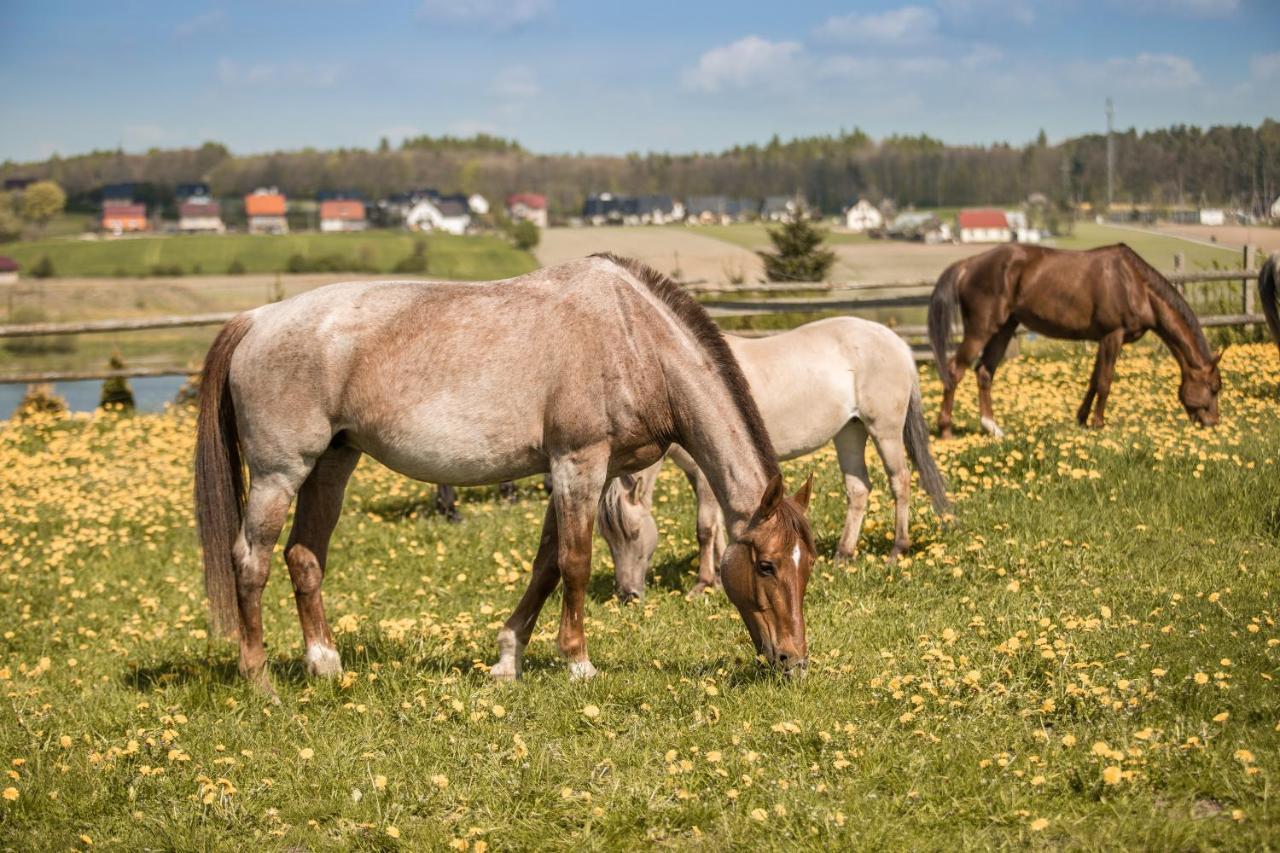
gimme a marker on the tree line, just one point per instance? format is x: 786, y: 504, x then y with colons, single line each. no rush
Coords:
x: 1237, y: 166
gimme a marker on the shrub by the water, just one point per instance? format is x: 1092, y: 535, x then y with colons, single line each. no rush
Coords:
x: 116, y: 392
x: 40, y: 399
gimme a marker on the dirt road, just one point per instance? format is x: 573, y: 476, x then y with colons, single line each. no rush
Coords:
x: 681, y: 253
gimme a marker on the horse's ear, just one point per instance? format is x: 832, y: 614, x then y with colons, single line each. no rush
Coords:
x: 802, y: 494
x: 773, y: 495
x: 1217, y: 358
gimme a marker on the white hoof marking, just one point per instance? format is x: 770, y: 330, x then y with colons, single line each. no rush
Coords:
x: 992, y: 427
x: 581, y: 670
x: 510, y: 656
x: 323, y: 661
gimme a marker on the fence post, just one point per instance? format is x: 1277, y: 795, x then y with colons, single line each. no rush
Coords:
x: 1246, y: 301
x: 1179, y: 264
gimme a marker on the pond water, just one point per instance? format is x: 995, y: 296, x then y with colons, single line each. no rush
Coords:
x: 151, y: 393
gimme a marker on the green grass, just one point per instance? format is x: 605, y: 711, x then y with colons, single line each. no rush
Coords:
x: 1091, y: 581
x: 471, y: 258
x: 1157, y: 249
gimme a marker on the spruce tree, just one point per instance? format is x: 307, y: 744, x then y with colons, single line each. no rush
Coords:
x: 116, y: 392
x: 798, y: 251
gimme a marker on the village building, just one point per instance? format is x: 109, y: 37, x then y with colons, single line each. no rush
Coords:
x: 342, y: 214
x: 528, y: 207
x: 1212, y: 216
x: 863, y: 217
x: 478, y: 204
x: 978, y: 225
x: 1021, y: 228
x: 779, y: 208
x: 718, y: 210
x: 8, y: 270
x: 265, y: 210
x: 200, y: 216
x: 448, y: 214
x: 120, y: 218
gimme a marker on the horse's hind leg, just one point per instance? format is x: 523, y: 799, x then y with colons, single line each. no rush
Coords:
x: 268, y: 503
x: 1100, y: 381
x: 515, y: 633
x: 894, y: 453
x: 306, y: 553
x: 992, y: 355
x: 851, y: 450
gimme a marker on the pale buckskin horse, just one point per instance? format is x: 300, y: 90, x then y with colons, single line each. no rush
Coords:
x: 586, y: 370
x: 838, y: 379
x: 1268, y: 280
x: 1108, y: 294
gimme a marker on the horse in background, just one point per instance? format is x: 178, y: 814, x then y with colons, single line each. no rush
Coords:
x: 615, y: 362
x: 1268, y: 280
x: 840, y: 379
x: 1108, y: 294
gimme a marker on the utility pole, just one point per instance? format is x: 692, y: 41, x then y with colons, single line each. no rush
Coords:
x: 1111, y: 152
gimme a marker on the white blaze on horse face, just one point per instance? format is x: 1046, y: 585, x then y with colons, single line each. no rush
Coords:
x: 795, y: 554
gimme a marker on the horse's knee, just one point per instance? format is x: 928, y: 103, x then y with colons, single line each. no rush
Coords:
x: 304, y: 570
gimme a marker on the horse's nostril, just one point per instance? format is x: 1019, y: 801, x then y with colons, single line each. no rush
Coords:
x: 783, y: 657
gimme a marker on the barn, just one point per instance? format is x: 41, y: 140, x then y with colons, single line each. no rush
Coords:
x: 983, y: 226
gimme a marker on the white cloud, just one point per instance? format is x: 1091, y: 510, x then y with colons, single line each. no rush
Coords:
x: 516, y: 83
x: 1152, y: 71
x: 966, y: 11
x: 748, y: 62
x: 499, y: 14
x: 907, y: 25
x: 1265, y: 66
x: 208, y: 22
x: 283, y: 75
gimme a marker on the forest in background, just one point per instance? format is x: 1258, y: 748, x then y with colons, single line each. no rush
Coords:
x: 1237, y: 166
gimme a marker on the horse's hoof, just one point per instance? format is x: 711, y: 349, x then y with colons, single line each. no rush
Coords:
x: 581, y: 670
x: 992, y: 428
x: 699, y: 589
x: 843, y: 557
x: 628, y: 596
x: 504, y: 671
x: 323, y: 662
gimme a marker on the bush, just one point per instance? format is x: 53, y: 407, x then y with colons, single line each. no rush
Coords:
x: 525, y: 235
x: 332, y: 262
x: 39, y: 400
x: 236, y: 267
x: 416, y: 262
x: 162, y: 270
x: 43, y: 268
x: 116, y: 392
x: 39, y: 344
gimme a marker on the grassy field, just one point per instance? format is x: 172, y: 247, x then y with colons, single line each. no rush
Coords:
x: 1085, y: 659
x: 1158, y: 249
x: 471, y: 258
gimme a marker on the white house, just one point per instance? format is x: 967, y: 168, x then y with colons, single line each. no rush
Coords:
x: 1275, y: 209
x: 1212, y: 216
x: 1021, y: 229
x: 529, y: 207
x: 862, y: 217
x: 479, y: 204
x: 984, y: 226
x: 447, y: 215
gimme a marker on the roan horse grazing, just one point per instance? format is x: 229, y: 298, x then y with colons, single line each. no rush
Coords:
x: 1268, y: 280
x: 587, y: 370
x: 841, y: 378
x: 1109, y: 295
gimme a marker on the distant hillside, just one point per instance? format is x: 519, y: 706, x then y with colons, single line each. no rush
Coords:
x: 1239, y: 166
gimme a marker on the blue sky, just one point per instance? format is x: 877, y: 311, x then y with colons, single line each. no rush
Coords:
x: 564, y: 75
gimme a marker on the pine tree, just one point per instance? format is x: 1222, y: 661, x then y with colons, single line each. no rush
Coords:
x: 798, y: 251
x: 116, y: 392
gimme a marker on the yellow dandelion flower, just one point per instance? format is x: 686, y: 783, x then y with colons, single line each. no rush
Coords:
x: 1039, y: 824
x: 392, y: 832
x: 759, y: 815
x: 306, y: 753
x: 1221, y: 718
x: 11, y: 793
x: 440, y: 780
x: 1112, y: 775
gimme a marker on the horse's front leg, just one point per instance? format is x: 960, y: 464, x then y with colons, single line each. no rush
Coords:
x: 709, y: 534
x: 577, y: 481
x: 1108, y: 352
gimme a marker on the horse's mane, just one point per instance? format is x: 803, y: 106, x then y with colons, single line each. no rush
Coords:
x: 708, y: 336
x: 1170, y: 295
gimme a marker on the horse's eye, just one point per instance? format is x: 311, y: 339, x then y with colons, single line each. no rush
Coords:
x: 766, y: 568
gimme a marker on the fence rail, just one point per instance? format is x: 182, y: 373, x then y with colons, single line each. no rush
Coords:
x: 745, y: 300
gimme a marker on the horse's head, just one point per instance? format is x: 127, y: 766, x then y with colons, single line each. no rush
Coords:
x: 1199, y: 392
x: 766, y: 571
x: 628, y: 526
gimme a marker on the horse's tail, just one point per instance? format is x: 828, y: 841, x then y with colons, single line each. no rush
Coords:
x: 916, y: 435
x: 1267, y: 282
x: 942, y: 308
x: 219, y: 478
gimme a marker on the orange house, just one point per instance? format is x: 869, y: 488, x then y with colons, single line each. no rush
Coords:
x: 265, y: 210
x: 119, y: 218
x: 342, y: 215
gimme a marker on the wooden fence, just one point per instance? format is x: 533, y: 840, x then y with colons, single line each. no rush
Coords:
x: 744, y: 301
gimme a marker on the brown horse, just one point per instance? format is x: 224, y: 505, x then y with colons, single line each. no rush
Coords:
x: 588, y: 370
x: 1267, y: 281
x: 1109, y: 295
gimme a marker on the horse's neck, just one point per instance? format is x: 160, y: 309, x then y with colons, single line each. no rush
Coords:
x: 1178, y: 335
x: 715, y: 432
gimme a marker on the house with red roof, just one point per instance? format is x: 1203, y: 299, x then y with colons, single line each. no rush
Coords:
x: 530, y: 207
x: 119, y: 218
x: 265, y: 209
x: 978, y: 225
x: 8, y: 270
x: 342, y: 214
